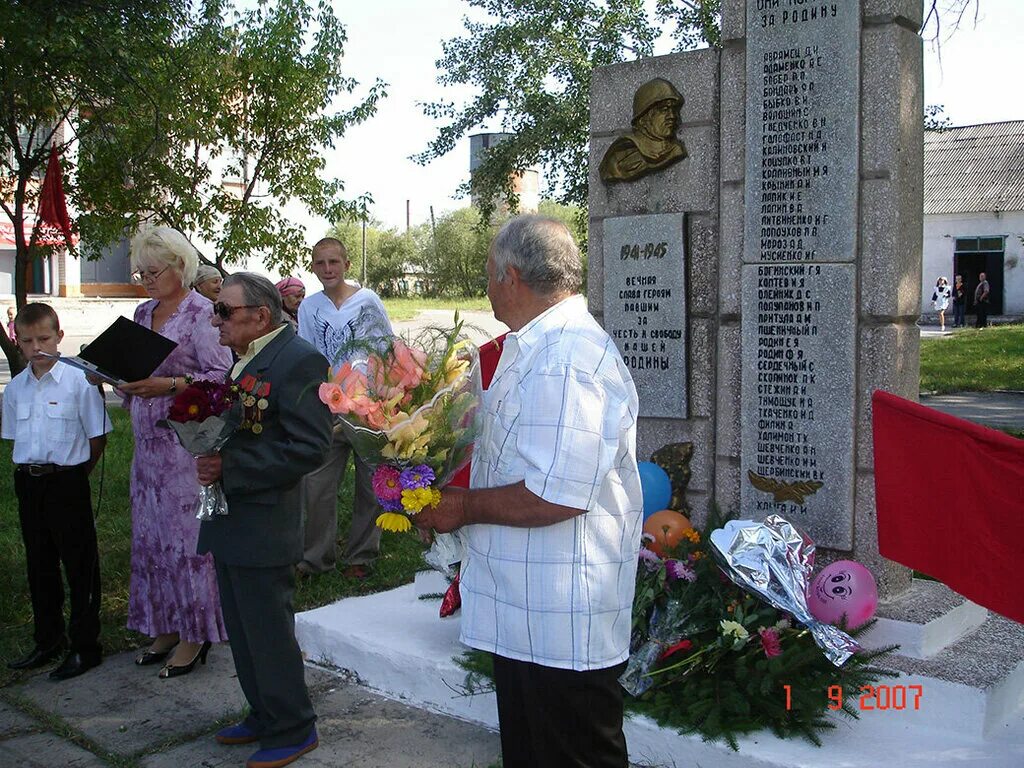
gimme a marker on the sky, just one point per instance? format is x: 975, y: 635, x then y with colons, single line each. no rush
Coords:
x: 974, y: 74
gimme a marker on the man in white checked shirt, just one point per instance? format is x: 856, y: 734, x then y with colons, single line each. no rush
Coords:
x: 553, y: 518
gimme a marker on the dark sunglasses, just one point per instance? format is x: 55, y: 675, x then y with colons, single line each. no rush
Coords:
x: 225, y: 311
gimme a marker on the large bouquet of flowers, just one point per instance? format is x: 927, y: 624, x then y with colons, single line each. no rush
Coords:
x: 200, y: 418
x: 711, y: 658
x: 409, y: 409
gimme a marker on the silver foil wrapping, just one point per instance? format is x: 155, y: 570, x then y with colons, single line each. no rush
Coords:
x: 203, y: 438
x: 212, y: 502
x: 774, y: 560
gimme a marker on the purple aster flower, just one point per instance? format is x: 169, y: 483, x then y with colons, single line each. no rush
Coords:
x: 649, y: 559
x: 420, y: 476
x: 390, y: 505
x: 675, y: 569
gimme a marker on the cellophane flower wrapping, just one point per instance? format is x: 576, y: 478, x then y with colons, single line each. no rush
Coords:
x: 201, y: 418
x: 410, y: 410
x: 775, y: 560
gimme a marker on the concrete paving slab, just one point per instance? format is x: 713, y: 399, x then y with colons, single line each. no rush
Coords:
x: 45, y: 750
x: 13, y: 722
x: 127, y: 709
x: 357, y: 727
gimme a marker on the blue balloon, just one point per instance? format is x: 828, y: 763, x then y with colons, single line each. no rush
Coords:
x: 656, y: 486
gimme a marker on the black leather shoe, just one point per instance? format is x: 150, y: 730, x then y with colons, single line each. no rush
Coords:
x: 74, y: 664
x: 39, y: 657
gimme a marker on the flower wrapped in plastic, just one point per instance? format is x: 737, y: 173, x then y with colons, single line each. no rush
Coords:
x: 201, y: 418
x: 409, y: 409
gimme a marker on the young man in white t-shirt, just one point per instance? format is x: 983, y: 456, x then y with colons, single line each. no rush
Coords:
x: 330, y: 320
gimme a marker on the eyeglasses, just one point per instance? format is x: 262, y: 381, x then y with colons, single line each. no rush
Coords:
x: 147, y: 277
x: 225, y: 311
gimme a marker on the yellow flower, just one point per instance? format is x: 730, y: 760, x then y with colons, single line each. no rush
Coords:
x: 692, y: 535
x: 394, y: 522
x: 415, y: 500
x: 456, y: 368
x: 734, y: 628
x: 408, y: 440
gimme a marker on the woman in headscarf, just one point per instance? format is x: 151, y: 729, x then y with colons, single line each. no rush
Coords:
x: 292, y: 293
x: 208, y: 281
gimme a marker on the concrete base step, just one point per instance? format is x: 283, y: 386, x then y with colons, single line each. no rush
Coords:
x: 396, y: 644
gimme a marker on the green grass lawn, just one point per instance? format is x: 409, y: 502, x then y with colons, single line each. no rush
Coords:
x: 399, y: 560
x: 406, y: 308
x: 974, y: 360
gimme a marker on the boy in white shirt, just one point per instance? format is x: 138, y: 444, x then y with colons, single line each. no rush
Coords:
x: 330, y: 320
x: 58, y: 423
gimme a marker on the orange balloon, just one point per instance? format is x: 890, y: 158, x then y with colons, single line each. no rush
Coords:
x: 667, y: 527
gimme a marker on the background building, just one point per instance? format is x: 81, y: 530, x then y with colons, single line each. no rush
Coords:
x: 974, y: 212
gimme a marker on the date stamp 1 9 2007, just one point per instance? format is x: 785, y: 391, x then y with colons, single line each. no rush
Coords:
x: 880, y: 698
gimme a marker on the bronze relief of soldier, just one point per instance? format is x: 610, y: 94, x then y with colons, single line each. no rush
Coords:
x: 652, y: 144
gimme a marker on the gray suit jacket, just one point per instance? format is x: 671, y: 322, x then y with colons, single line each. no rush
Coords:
x: 261, y: 472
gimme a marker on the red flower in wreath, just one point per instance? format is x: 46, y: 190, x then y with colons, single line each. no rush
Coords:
x: 682, y: 645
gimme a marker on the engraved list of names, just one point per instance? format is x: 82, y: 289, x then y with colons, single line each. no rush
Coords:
x: 802, y: 129
x: 799, y: 276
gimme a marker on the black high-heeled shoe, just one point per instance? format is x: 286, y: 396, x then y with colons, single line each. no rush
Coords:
x: 171, y: 670
x: 153, y: 657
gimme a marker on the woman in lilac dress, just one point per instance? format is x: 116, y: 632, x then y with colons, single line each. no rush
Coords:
x: 173, y: 593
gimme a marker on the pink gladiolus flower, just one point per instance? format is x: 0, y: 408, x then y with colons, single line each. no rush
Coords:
x: 409, y: 363
x: 332, y: 396
x: 770, y: 642
x: 381, y: 380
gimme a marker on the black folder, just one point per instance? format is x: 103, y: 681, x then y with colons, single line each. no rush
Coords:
x: 126, y: 351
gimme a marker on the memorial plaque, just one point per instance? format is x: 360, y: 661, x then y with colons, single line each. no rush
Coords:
x: 797, y: 400
x: 645, y: 307
x: 802, y: 151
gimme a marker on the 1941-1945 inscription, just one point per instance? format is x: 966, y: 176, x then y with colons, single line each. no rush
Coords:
x: 645, y: 306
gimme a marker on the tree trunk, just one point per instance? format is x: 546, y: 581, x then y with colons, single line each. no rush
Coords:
x: 21, y: 261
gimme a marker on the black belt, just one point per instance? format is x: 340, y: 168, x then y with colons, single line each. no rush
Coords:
x: 38, y: 470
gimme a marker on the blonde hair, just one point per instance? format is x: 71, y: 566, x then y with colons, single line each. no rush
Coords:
x: 167, y: 246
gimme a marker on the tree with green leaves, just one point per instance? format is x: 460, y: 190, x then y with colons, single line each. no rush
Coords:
x: 456, y: 258
x: 247, y: 106
x: 529, y: 65
x: 59, y: 60
x: 162, y: 102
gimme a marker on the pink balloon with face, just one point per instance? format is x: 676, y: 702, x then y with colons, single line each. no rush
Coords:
x: 843, y: 587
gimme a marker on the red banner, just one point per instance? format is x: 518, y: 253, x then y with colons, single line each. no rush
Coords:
x: 490, y: 354
x: 950, y: 501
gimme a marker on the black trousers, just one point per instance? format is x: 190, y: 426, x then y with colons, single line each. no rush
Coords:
x: 558, y: 718
x: 981, y: 309
x: 57, y: 527
x: 260, y: 619
x: 959, y: 308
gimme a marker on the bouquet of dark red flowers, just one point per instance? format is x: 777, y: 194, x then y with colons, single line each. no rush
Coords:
x: 201, y: 418
x: 202, y: 399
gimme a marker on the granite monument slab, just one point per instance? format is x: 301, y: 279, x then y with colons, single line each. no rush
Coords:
x: 645, y: 306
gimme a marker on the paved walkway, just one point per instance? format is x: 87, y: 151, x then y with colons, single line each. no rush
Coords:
x: 994, y: 409
x: 123, y: 716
